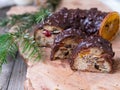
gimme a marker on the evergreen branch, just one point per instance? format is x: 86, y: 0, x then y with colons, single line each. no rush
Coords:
x: 4, y: 22
x: 8, y: 41
x: 7, y: 46
x: 29, y: 19
x: 29, y: 45
x: 37, y: 17
x: 40, y: 16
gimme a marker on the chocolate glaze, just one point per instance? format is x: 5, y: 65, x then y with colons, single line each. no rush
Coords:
x: 75, y: 34
x: 86, y: 20
x: 93, y: 21
x: 57, y: 19
x: 71, y: 32
x: 94, y: 41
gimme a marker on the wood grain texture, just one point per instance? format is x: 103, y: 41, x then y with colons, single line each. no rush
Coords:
x: 56, y: 75
x: 6, y: 73
x: 18, y: 75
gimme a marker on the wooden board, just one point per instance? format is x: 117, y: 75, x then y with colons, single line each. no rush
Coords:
x: 56, y: 75
x: 6, y: 73
x: 16, y: 81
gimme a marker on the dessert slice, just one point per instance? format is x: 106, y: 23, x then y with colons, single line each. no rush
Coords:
x: 93, y: 54
x: 65, y: 42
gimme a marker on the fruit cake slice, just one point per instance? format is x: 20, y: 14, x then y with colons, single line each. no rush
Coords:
x: 93, y: 54
x: 65, y: 42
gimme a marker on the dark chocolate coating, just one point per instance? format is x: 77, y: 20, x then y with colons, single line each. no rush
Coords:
x: 93, y: 21
x: 58, y: 19
x: 94, y: 41
x: 75, y: 34
x: 88, y: 21
x: 71, y: 32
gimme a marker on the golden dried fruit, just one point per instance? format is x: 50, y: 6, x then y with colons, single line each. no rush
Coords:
x: 110, y: 26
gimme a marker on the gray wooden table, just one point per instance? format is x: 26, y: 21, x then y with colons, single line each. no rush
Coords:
x: 13, y: 73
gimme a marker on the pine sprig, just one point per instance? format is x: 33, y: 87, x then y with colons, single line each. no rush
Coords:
x: 28, y: 19
x: 7, y: 47
x: 4, y: 22
x: 40, y: 16
x: 9, y: 41
x: 29, y: 45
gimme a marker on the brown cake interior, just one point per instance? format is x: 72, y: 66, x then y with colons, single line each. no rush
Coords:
x: 93, y: 54
x: 64, y: 49
x: 92, y: 59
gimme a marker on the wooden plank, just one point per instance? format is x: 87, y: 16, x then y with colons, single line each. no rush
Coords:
x: 6, y: 68
x: 6, y: 73
x: 18, y: 75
